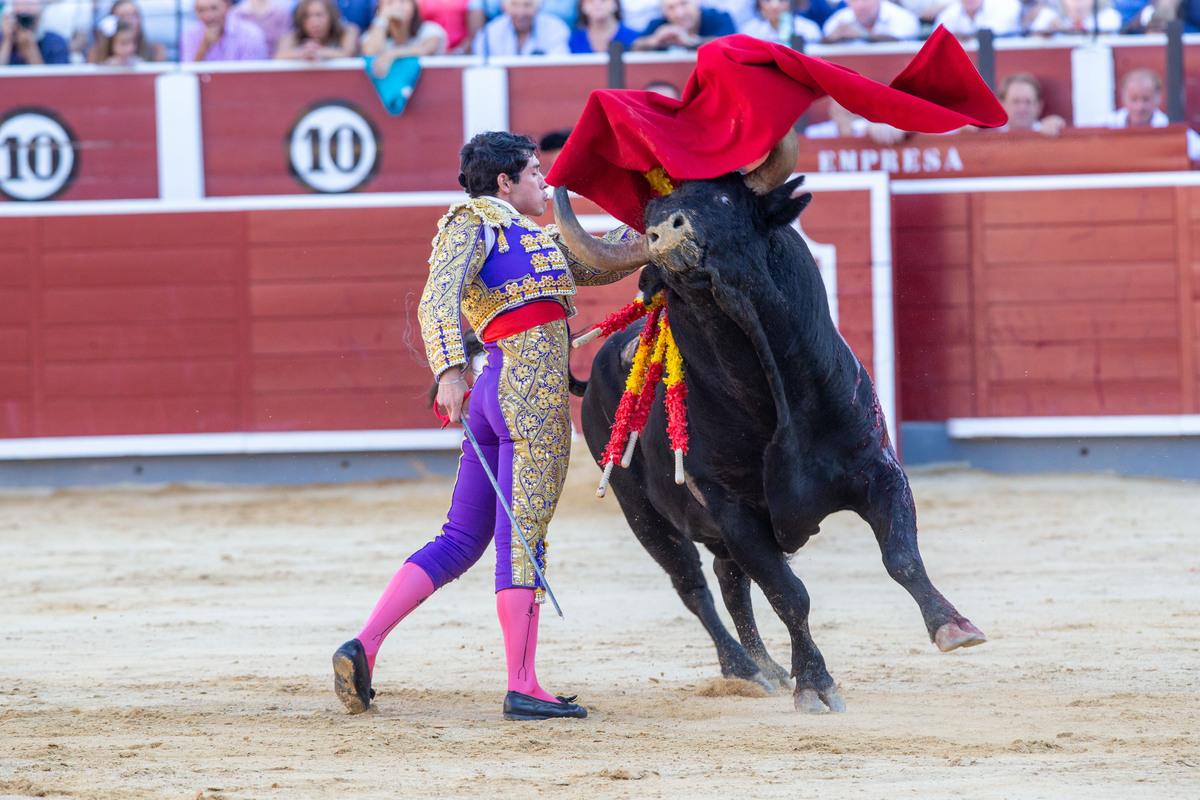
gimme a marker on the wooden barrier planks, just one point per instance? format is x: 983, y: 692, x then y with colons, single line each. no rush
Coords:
x: 1081, y: 302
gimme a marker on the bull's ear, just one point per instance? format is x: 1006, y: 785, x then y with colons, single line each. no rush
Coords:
x: 781, y: 206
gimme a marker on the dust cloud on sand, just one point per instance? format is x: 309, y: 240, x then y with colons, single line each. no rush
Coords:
x: 175, y: 643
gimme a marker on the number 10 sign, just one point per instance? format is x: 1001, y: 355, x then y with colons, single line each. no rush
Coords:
x: 333, y: 148
x: 37, y: 155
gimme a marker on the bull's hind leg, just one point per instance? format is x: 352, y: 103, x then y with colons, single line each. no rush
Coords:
x: 679, y: 558
x: 754, y: 548
x: 892, y: 514
x: 735, y: 590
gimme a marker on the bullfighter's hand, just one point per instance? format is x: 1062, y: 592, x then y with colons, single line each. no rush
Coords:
x: 452, y: 391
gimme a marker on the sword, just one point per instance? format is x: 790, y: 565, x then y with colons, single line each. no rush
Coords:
x: 504, y: 502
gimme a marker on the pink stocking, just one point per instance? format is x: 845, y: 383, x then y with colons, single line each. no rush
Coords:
x: 519, y: 620
x: 408, y: 589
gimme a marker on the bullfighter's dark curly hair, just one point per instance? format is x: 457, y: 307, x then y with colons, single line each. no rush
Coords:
x: 489, y: 154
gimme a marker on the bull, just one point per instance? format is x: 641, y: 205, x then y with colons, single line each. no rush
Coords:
x: 785, y: 426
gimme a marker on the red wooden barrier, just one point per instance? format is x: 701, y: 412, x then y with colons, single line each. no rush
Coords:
x: 258, y: 132
x: 283, y: 319
x: 1042, y: 303
x: 78, y: 137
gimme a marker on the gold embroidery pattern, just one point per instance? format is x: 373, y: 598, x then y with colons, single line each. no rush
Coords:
x: 533, y: 402
x: 457, y: 257
x: 481, y: 306
x: 547, y: 261
x: 536, y: 241
x: 453, y: 289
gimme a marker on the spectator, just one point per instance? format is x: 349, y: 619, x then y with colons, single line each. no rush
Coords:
x: 1076, y: 16
x: 871, y: 21
x: 843, y: 123
x: 927, y: 10
x: 524, y: 30
x: 73, y: 21
x: 451, y: 15
x: 1021, y: 96
x: 772, y: 23
x: 399, y: 32
x: 357, y: 12
x: 684, y: 24
x: 965, y: 18
x: 272, y: 19
x: 638, y: 14
x: 19, y: 40
x: 1031, y: 12
x: 318, y: 33
x: 219, y: 36
x: 124, y: 13
x: 599, y: 24
x: 1141, y: 95
x: 1152, y: 16
x: 740, y: 11
x: 120, y: 49
x: 483, y: 11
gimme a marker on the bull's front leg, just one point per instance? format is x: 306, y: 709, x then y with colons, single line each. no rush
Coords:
x: 735, y: 591
x: 892, y: 514
x: 752, y: 544
x: 679, y: 558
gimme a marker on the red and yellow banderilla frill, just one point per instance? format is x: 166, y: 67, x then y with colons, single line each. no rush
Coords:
x: 657, y: 356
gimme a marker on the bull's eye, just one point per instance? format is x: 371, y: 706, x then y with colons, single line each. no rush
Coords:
x: 724, y: 199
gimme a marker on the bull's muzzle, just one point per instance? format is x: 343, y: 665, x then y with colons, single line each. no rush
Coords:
x: 673, y: 242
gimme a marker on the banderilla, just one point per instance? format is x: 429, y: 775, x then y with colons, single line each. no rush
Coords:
x: 508, y: 509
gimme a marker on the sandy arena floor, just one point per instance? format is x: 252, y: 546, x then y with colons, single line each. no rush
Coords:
x: 175, y: 643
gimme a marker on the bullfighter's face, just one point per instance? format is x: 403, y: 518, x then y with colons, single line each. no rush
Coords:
x: 527, y: 193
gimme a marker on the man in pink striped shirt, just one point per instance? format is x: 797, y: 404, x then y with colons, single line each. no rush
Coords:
x: 221, y: 36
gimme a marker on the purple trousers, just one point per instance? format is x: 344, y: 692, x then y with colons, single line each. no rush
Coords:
x: 520, y: 416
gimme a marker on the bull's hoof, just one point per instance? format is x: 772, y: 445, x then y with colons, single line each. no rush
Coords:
x: 954, y: 635
x: 809, y: 701
x: 762, y: 681
x: 775, y: 674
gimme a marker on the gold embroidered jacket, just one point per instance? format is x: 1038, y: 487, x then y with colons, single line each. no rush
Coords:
x: 455, y: 290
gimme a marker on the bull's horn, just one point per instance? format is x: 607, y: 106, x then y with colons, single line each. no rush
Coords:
x: 780, y: 163
x: 596, y: 253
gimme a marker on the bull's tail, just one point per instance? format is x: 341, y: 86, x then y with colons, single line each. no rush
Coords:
x: 574, y: 385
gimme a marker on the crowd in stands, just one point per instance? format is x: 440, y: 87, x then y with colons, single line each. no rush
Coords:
x: 63, y: 31
x: 129, y: 31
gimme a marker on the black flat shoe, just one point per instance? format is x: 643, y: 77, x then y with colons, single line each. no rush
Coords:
x: 522, y: 706
x: 352, y: 677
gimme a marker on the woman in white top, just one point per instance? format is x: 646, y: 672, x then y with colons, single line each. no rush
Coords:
x: 1076, y: 16
x: 771, y: 23
x: 399, y: 32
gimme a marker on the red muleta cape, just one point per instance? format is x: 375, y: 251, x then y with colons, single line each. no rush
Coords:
x: 742, y: 97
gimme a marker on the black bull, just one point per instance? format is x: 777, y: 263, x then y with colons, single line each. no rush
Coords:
x: 785, y: 429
